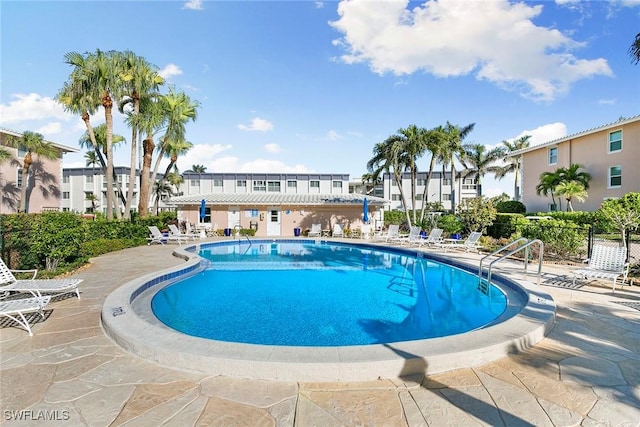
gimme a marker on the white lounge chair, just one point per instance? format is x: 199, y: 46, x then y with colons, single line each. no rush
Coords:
x: 316, y: 230
x: 393, y: 231
x: 337, y: 231
x: 175, y: 231
x: 413, y: 236
x: 191, y: 232
x: 156, y: 236
x: 606, y: 262
x: 434, y: 237
x: 19, y: 307
x: 470, y: 243
x: 36, y: 287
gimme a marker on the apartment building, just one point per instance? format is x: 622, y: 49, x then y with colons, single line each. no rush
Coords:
x: 273, y: 204
x: 43, y: 182
x: 84, y: 190
x: 610, y: 153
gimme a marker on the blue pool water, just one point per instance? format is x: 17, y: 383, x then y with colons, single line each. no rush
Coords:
x: 324, y: 294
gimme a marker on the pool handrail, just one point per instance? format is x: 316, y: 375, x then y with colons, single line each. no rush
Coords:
x: 524, y: 246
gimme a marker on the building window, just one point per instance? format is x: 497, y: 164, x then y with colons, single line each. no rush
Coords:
x: 241, y: 183
x: 615, y: 141
x: 22, y: 151
x: 195, y: 183
x: 259, y: 186
x: 314, y: 184
x: 337, y: 184
x: 615, y: 176
x: 65, y: 179
x: 292, y: 184
x: 217, y: 183
x: 446, y: 181
x: 88, y: 179
x: 446, y: 197
x: 273, y: 186
x: 19, y: 178
x: 418, y: 197
x: 396, y: 197
x: 553, y: 155
x: 65, y: 194
x: 553, y: 207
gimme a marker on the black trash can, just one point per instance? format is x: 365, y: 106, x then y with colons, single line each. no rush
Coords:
x: 227, y: 232
x: 296, y: 232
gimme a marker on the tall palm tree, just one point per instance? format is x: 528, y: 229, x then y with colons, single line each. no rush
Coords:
x: 161, y: 188
x: 634, y: 50
x: 573, y: 173
x: 547, y: 185
x: 389, y: 156
x: 175, y: 179
x: 34, y: 144
x: 198, y: 169
x: 96, y: 81
x: 452, y: 149
x: 177, y: 109
x: 433, y: 141
x: 513, y: 164
x: 5, y: 155
x: 572, y: 190
x: 480, y: 161
x: 93, y: 199
x: 141, y: 80
x: 173, y: 150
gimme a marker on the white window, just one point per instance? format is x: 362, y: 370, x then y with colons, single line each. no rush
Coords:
x: 422, y: 182
x: 22, y: 151
x: 259, y: 186
x: 217, y: 183
x: 314, y: 184
x: 292, y: 184
x: 446, y: 197
x: 553, y: 155
x: 273, y: 186
x: 446, y: 181
x: 337, y: 184
x: 615, y: 141
x: 88, y: 179
x: 19, y: 178
x: 195, y: 182
x: 241, y: 183
x: 396, y: 197
x: 65, y: 194
x: 65, y: 179
x: 615, y: 176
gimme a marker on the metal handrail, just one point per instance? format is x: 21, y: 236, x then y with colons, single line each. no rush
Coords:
x: 524, y: 246
x: 497, y: 251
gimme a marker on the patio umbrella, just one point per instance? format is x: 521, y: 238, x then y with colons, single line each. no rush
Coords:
x: 203, y: 209
x: 365, y: 209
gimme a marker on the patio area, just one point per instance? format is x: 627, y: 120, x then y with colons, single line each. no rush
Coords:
x: 585, y: 372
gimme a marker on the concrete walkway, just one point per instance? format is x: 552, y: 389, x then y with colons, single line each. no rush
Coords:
x: 586, y: 372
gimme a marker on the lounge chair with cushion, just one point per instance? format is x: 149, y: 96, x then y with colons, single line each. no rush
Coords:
x: 156, y: 236
x: 36, y: 287
x: 15, y: 309
x: 434, y: 238
x: 175, y: 231
x: 606, y: 262
x: 316, y: 230
x: 471, y: 243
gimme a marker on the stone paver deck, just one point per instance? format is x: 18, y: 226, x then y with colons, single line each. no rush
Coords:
x: 585, y: 372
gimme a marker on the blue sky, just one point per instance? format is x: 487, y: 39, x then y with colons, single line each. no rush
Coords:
x: 309, y: 86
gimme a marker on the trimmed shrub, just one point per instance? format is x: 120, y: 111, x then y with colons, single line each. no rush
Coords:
x: 562, y: 239
x: 506, y: 225
x: 511, y: 206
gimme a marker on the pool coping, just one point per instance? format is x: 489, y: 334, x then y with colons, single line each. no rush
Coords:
x: 154, y: 341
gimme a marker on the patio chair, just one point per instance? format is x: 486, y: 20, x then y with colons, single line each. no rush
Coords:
x: 16, y: 309
x: 156, y: 236
x: 191, y: 232
x: 36, y: 287
x: 471, y: 243
x: 316, y: 230
x: 175, y: 231
x: 413, y: 236
x: 392, y: 232
x: 337, y: 230
x: 434, y: 237
x: 606, y: 262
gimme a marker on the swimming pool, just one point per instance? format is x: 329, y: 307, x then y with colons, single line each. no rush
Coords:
x: 327, y: 294
x: 128, y: 319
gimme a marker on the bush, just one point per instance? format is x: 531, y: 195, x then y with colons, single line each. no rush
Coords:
x: 476, y: 214
x: 449, y: 223
x: 506, y: 225
x: 563, y: 239
x: 94, y: 248
x: 511, y: 206
x: 580, y: 218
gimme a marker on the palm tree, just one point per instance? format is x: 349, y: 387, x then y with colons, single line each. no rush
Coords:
x: 198, y: 169
x: 481, y: 162
x: 95, y: 81
x: 141, y: 80
x: 572, y: 173
x: 433, y: 141
x: 547, y: 185
x: 176, y: 109
x: 93, y: 199
x: 174, y: 178
x: 571, y: 190
x: 513, y: 163
x: 634, y: 50
x: 173, y: 150
x: 389, y: 156
x: 161, y: 188
x: 4, y: 155
x: 32, y: 143
x: 451, y: 149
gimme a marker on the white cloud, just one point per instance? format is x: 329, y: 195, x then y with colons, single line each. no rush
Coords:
x: 31, y: 107
x: 544, y: 133
x: 319, y: 4
x: 169, y: 71
x: 333, y: 135
x: 201, y: 154
x: 263, y: 165
x: 607, y: 101
x: 52, y: 128
x: 193, y: 5
x: 257, y: 124
x: 496, y: 41
x: 273, y: 148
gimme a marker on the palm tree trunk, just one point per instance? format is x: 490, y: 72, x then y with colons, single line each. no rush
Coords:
x: 107, y: 103
x: 23, y: 189
x: 425, y: 193
x: 143, y: 203
x: 132, y: 161
x: 453, y: 188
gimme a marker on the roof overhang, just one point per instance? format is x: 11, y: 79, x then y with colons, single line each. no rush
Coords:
x: 277, y: 199
x: 63, y: 148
